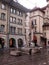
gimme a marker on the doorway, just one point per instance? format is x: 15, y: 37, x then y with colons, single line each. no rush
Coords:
x: 20, y: 42
x: 12, y: 42
x: 2, y: 42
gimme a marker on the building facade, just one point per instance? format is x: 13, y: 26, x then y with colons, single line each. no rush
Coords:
x: 39, y: 24
x: 27, y: 28
x: 12, y: 20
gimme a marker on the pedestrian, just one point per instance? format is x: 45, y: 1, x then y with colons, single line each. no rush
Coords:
x: 29, y: 44
x: 30, y: 51
x: 2, y: 44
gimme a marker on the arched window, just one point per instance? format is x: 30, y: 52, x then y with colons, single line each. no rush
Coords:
x: 3, y: 16
x: 3, y: 6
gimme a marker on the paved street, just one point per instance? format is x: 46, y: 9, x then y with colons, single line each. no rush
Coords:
x: 35, y: 59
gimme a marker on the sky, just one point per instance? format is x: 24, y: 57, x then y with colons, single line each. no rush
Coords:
x: 32, y: 3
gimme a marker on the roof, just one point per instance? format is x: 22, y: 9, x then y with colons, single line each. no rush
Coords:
x: 37, y: 8
x: 47, y: 0
x: 44, y: 8
x: 16, y: 5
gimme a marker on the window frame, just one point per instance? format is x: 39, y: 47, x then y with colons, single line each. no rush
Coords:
x: 2, y: 28
x: 12, y: 30
x: 12, y: 10
x: 3, y: 6
x: 19, y: 31
x: 12, y: 21
x: 3, y: 16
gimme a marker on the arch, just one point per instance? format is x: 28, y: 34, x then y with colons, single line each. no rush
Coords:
x: 12, y: 42
x: 2, y: 42
x: 20, y: 42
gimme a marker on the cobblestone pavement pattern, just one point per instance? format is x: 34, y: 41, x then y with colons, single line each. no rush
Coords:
x: 41, y: 58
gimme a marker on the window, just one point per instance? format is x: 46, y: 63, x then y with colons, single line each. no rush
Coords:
x: 3, y: 6
x: 20, y: 21
x: 34, y: 22
x: 13, y: 30
x: 2, y: 27
x: 19, y: 13
x: 12, y: 19
x: 19, y: 30
x: 13, y: 11
x: 32, y: 25
x: 3, y: 16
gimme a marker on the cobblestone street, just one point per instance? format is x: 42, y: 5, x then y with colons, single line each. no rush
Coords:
x: 35, y: 59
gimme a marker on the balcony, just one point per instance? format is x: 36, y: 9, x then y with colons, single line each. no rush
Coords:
x: 2, y: 32
x: 45, y: 24
x: 2, y: 19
